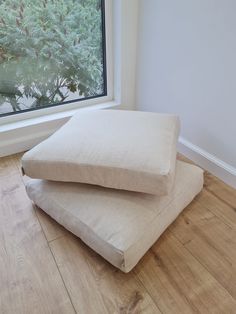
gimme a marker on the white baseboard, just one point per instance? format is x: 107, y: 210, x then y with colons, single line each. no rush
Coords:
x: 207, y: 161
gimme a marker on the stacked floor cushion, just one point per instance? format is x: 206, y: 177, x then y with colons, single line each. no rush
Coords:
x: 111, y: 178
x: 126, y: 150
x: 119, y: 225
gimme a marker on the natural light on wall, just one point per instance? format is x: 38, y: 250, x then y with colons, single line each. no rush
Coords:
x: 52, y: 52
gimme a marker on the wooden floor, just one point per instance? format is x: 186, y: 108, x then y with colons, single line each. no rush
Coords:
x: 45, y: 269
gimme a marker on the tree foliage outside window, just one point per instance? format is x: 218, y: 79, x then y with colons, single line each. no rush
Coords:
x: 51, y: 51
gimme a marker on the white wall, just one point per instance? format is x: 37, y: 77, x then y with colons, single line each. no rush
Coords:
x: 187, y: 65
x: 125, y: 51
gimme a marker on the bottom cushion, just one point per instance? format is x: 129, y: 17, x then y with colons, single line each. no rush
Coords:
x: 119, y: 225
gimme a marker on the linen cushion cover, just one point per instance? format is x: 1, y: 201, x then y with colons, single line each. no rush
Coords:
x: 119, y: 225
x: 118, y: 149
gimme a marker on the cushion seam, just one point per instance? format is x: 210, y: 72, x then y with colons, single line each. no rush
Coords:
x: 120, y: 252
x: 163, y: 209
x: 97, y: 165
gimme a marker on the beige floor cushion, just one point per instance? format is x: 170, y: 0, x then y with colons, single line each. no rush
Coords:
x: 119, y: 225
x: 119, y: 149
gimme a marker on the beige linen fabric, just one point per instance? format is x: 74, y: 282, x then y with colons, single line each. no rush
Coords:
x: 119, y: 149
x: 119, y: 225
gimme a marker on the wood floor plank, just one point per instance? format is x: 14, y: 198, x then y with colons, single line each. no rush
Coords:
x: 94, y: 285
x: 51, y: 228
x: 191, y: 269
x: 181, y: 284
x: 185, y: 159
x: 29, y: 278
x: 226, y: 213
x: 220, y: 189
x: 8, y: 166
x: 211, y: 241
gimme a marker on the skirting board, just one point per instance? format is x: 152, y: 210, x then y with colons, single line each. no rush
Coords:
x: 207, y: 161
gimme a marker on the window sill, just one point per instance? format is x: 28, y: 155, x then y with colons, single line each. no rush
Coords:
x: 53, y: 117
x: 22, y: 135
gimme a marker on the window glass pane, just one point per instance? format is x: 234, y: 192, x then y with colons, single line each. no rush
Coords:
x: 51, y: 52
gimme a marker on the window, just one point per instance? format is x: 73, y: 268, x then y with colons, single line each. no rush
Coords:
x: 52, y: 52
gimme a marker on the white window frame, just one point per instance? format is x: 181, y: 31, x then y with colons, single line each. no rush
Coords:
x: 66, y: 108
x: 18, y: 134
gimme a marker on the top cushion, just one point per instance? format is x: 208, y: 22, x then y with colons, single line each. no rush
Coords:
x: 127, y: 150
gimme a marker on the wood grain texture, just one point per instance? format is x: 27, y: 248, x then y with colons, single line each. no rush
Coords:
x: 29, y: 278
x: 95, y: 286
x: 219, y: 208
x: 182, y: 284
x: 211, y: 241
x: 51, y: 228
x: 221, y: 190
x: 45, y: 269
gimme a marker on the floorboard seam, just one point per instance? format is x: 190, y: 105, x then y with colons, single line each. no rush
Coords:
x: 58, y: 238
x: 34, y: 213
x: 138, y: 279
x: 219, y: 198
x: 72, y: 304
x: 48, y: 244
x: 204, y: 266
x: 16, y: 165
x: 217, y: 216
